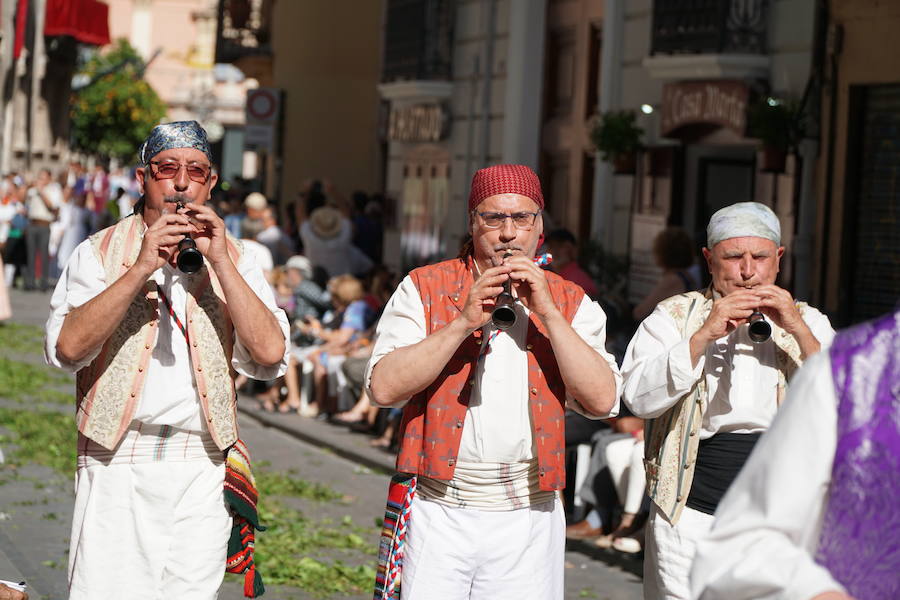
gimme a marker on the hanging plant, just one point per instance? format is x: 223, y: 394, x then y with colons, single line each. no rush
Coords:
x: 617, y: 138
x: 779, y: 125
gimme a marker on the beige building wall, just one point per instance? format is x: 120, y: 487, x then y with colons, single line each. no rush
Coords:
x: 866, y: 57
x: 180, y: 38
x: 327, y: 61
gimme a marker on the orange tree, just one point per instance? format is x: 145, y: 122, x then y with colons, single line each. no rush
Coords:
x: 115, y: 109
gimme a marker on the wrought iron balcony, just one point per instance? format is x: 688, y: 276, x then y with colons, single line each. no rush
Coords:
x: 243, y: 28
x: 418, y: 40
x: 709, y: 26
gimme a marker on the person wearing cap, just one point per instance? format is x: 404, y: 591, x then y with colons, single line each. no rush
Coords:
x: 483, y: 409
x: 706, y: 389
x: 152, y: 348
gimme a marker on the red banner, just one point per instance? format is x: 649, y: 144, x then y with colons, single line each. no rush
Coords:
x: 85, y: 20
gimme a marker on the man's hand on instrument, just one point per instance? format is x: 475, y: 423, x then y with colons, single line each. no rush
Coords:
x: 779, y: 306
x: 480, y: 302
x: 530, y: 284
x: 728, y: 313
x: 161, y: 241
x: 208, y: 233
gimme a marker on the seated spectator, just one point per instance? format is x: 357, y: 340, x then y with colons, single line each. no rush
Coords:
x: 354, y: 316
x: 599, y: 491
x: 673, y: 251
x: 625, y: 458
x: 562, y: 245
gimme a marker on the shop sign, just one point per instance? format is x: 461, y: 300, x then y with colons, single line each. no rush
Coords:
x: 722, y: 103
x: 418, y: 123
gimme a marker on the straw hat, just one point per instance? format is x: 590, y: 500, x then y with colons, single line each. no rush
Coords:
x: 325, y: 222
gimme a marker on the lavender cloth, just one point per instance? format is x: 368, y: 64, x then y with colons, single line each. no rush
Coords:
x: 860, y: 540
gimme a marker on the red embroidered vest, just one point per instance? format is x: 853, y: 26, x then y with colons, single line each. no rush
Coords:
x: 433, y: 419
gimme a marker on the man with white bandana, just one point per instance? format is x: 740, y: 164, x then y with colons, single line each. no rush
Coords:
x: 153, y: 348
x: 706, y: 389
x: 483, y: 408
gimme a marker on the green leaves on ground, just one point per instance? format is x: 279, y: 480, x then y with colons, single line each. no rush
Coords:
x: 29, y: 379
x: 24, y: 381
x: 17, y: 337
x: 310, y: 554
x: 284, y: 484
x: 42, y: 437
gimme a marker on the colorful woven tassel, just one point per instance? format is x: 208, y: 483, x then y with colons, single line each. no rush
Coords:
x: 242, y: 497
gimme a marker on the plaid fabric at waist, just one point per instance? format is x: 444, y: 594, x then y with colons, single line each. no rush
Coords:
x: 488, y: 486
x: 144, y: 443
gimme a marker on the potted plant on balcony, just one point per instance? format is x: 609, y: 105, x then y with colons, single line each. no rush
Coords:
x: 779, y: 125
x: 618, y: 139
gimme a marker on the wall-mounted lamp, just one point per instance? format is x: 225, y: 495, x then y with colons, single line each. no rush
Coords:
x: 646, y: 108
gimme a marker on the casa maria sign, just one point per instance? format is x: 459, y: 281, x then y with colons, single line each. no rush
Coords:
x: 418, y: 123
x: 721, y: 103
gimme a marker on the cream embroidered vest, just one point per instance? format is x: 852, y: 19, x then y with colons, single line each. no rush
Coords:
x: 672, y: 439
x: 109, y: 389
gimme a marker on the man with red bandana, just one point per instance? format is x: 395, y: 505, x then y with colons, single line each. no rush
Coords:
x: 483, y: 422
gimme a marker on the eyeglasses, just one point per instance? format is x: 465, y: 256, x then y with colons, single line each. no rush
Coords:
x: 522, y: 220
x: 167, y: 170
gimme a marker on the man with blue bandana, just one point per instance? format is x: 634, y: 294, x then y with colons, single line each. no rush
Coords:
x: 153, y: 348
x: 708, y: 388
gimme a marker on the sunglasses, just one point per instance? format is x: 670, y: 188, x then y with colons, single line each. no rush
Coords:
x: 168, y: 170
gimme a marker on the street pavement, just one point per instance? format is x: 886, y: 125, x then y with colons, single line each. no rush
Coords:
x: 36, y: 506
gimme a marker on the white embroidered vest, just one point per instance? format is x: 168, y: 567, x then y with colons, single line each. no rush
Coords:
x: 672, y: 439
x: 109, y: 389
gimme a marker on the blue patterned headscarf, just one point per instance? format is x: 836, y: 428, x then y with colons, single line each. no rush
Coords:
x: 180, y: 134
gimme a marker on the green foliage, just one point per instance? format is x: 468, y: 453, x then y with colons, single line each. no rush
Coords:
x: 42, y: 437
x: 282, y: 484
x: 114, y: 114
x: 616, y: 133
x: 16, y: 337
x: 22, y: 381
x: 779, y: 124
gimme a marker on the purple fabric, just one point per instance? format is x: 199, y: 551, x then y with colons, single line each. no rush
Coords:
x: 860, y: 540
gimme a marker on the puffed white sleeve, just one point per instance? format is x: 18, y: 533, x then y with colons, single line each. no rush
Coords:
x: 241, y: 360
x: 402, y: 323
x: 767, y: 526
x: 657, y: 367
x: 589, y: 323
x: 81, y: 280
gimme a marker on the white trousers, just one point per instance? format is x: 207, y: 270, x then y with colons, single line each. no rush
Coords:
x: 669, y: 551
x: 625, y: 458
x: 149, y: 531
x: 468, y: 554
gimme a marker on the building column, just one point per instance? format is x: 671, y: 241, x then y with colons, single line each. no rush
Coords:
x: 603, y: 226
x: 524, y: 82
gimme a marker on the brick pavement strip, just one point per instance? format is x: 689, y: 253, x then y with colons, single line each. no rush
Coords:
x: 36, y: 504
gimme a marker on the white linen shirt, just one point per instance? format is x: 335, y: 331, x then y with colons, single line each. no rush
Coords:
x: 741, y: 377
x: 497, y: 427
x: 768, y: 524
x: 170, y: 394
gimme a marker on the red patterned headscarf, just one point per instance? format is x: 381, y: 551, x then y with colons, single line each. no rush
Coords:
x: 505, y: 179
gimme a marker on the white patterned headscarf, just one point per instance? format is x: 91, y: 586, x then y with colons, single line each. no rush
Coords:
x: 743, y: 219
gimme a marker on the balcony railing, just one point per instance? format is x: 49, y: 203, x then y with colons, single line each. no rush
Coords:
x: 709, y: 26
x: 243, y: 28
x: 418, y: 40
